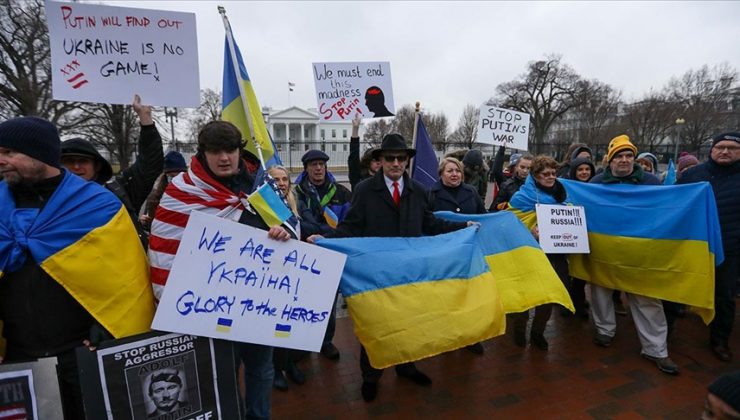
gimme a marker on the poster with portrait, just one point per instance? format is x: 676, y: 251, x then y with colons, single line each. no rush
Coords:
x: 170, y: 376
x: 30, y: 390
x: 346, y: 89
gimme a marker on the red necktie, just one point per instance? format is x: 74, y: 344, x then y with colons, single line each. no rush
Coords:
x: 396, y: 194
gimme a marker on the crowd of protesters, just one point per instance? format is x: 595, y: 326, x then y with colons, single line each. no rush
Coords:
x: 159, y: 191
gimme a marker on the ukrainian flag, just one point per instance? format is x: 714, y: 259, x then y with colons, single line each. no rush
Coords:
x: 331, y: 218
x: 522, y: 204
x: 657, y: 241
x: 78, y: 238
x: 411, y: 298
x: 233, y: 107
x: 269, y: 205
x: 523, y: 274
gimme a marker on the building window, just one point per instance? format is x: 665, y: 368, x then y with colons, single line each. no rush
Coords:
x: 305, y: 147
x: 344, y: 133
x: 323, y: 134
x: 333, y: 133
x: 333, y: 147
x: 344, y: 147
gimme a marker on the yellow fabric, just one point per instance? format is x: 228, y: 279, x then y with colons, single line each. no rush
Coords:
x: 618, y: 144
x: 528, y: 218
x: 424, y: 319
x: 682, y: 274
x: 526, y: 279
x: 106, y: 271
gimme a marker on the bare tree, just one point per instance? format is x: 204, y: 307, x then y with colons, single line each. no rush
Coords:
x: 111, y: 127
x: 547, y: 91
x: 377, y: 129
x: 25, y: 65
x: 208, y: 110
x: 403, y: 123
x: 596, y: 110
x: 649, y: 120
x: 437, y: 127
x: 467, y: 127
x: 703, y: 96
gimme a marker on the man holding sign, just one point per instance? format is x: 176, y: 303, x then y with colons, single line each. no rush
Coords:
x: 216, y: 183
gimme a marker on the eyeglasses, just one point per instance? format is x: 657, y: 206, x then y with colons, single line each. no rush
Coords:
x: 399, y: 158
x: 727, y: 148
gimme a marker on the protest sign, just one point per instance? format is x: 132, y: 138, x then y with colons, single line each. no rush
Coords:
x: 107, y: 54
x: 230, y: 281
x: 156, y: 375
x: 503, y: 127
x: 30, y: 390
x: 344, y: 90
x: 562, y: 229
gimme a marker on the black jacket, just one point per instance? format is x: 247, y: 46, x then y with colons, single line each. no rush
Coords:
x: 465, y: 199
x: 40, y: 317
x: 508, y: 188
x: 725, y: 182
x: 373, y: 212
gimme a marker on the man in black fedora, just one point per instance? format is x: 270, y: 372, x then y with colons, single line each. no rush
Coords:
x: 391, y: 204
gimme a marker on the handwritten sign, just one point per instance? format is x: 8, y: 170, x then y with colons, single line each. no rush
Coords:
x: 503, y: 127
x: 562, y: 229
x: 107, y: 54
x: 344, y: 90
x: 230, y: 281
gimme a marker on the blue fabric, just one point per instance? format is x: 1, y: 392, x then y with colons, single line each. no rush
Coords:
x: 529, y: 195
x: 425, y: 169
x: 75, y: 208
x: 498, y: 232
x: 399, y: 261
x: 676, y: 212
x: 670, y: 174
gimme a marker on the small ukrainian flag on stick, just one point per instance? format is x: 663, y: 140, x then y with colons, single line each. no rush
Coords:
x: 331, y: 218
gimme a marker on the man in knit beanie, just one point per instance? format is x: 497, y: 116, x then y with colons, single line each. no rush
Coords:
x: 649, y: 318
x: 722, y: 171
x: 723, y: 400
x: 29, y: 147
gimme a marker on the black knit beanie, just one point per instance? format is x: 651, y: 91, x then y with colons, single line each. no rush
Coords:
x: 727, y: 389
x: 34, y: 137
x: 726, y: 136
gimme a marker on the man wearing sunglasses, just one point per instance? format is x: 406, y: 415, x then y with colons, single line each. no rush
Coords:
x: 391, y: 204
x: 722, y: 171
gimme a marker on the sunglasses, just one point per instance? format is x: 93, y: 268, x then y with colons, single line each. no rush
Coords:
x: 399, y: 158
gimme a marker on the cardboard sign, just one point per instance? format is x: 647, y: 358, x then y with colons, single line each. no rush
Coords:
x: 107, y: 54
x: 562, y: 229
x: 344, y: 90
x: 503, y: 127
x: 231, y: 281
x: 30, y: 390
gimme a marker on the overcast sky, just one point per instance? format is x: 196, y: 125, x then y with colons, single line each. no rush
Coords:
x: 448, y: 54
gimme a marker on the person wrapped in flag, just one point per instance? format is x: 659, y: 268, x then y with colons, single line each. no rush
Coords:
x: 322, y: 204
x: 540, y: 187
x: 72, y: 268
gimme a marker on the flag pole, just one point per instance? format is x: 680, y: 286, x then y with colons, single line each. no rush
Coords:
x: 237, y: 73
x: 413, y: 138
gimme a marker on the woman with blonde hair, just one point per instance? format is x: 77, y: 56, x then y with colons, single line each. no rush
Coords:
x: 284, y: 360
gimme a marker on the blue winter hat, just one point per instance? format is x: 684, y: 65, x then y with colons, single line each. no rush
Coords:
x: 34, y: 137
x: 726, y: 136
x: 174, y: 161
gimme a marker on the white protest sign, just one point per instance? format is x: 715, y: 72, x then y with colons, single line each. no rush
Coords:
x: 562, y: 229
x: 231, y: 281
x: 346, y: 89
x: 503, y: 127
x: 107, y: 54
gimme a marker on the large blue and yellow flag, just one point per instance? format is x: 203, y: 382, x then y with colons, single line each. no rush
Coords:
x: 523, y: 203
x: 523, y: 274
x: 657, y: 241
x: 233, y: 106
x: 411, y: 298
x: 84, y: 239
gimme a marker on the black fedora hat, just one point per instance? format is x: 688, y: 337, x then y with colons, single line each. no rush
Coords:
x: 393, y: 143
